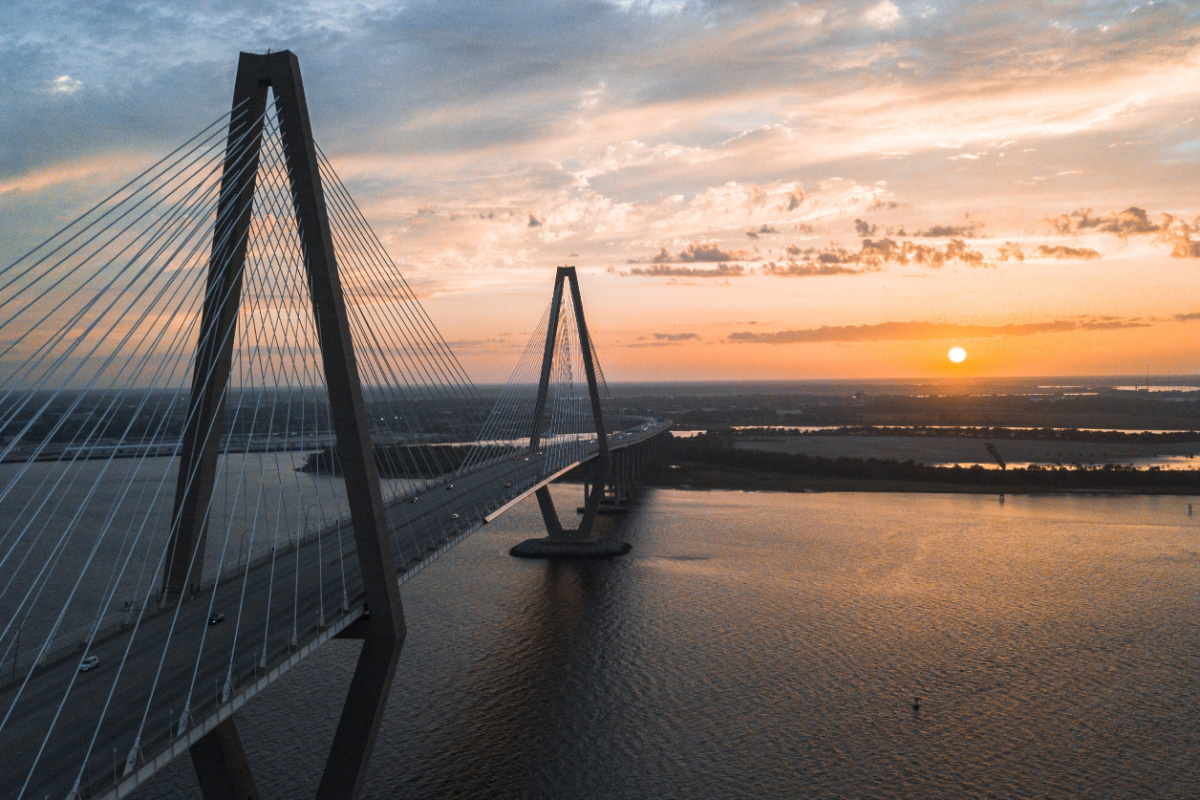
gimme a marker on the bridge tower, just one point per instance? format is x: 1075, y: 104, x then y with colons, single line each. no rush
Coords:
x: 576, y: 543
x: 219, y: 757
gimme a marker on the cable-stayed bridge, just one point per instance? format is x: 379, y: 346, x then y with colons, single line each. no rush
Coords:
x: 228, y: 433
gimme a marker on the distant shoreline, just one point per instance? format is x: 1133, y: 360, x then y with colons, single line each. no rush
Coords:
x: 707, y: 477
x: 717, y: 461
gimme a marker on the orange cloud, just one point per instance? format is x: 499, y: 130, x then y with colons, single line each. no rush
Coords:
x: 916, y: 331
x: 45, y: 177
x: 700, y: 252
x: 668, y: 271
x: 1064, y: 253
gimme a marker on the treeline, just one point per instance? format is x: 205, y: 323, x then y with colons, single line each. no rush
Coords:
x: 403, y: 461
x: 716, y: 450
x: 966, y: 432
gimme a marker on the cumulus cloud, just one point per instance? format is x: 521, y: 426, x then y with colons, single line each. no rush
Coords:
x: 1129, y: 222
x: 1170, y: 229
x: 1063, y: 253
x: 699, y: 252
x: 1180, y: 235
x: 734, y: 205
x: 921, y: 330
x: 673, y: 271
x: 864, y: 229
x: 1010, y: 251
x: 877, y: 253
x: 883, y: 15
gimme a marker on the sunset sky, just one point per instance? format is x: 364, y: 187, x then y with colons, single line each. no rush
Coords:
x: 749, y: 189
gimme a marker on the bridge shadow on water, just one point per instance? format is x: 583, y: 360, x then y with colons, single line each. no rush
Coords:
x: 504, y: 672
x: 522, y: 730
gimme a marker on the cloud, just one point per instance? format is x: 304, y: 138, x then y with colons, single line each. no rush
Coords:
x: 674, y: 140
x: 64, y: 84
x: 1172, y: 230
x: 762, y: 231
x: 1194, y: 315
x: 948, y: 231
x: 1129, y: 222
x: 76, y: 172
x: 1063, y: 253
x: 878, y: 253
x: 812, y: 269
x: 884, y: 15
x: 863, y: 229
x: 669, y: 271
x: 699, y: 252
x: 734, y: 205
x: 1180, y: 233
x: 1010, y: 251
x: 675, y: 337
x: 634, y: 153
x: 922, y: 331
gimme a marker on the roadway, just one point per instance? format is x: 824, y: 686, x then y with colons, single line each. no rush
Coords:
x: 171, y: 664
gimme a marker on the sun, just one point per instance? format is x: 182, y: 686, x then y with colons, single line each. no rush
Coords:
x: 957, y: 355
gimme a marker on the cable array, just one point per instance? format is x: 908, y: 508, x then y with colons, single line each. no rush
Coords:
x: 103, y: 326
x: 566, y: 427
x: 106, y: 662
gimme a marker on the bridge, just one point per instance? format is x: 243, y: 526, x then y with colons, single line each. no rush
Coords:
x: 228, y: 433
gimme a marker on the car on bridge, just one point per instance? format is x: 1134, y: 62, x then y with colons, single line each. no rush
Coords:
x: 216, y: 619
x: 89, y: 663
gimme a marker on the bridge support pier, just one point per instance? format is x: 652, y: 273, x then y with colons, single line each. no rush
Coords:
x: 577, y: 543
x: 629, y: 464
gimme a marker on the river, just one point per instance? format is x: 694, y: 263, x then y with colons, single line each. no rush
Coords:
x: 771, y: 646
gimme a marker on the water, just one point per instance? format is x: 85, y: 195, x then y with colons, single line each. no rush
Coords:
x: 1157, y: 387
x: 114, y: 519
x: 771, y: 645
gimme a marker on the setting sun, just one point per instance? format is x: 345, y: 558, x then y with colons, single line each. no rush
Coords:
x: 957, y: 355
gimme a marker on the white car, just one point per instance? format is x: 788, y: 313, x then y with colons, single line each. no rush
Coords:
x: 454, y: 516
x: 89, y: 663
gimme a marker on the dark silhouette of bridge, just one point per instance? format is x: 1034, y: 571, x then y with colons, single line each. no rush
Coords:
x: 170, y: 669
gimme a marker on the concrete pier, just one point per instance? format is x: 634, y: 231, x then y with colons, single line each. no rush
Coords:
x: 548, y: 547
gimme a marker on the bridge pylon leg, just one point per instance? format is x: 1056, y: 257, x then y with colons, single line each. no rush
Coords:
x: 578, y: 542
x: 221, y: 765
x: 219, y: 757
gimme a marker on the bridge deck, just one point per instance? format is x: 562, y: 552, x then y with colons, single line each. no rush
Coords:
x: 159, y: 652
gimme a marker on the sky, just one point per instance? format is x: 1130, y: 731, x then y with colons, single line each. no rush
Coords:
x: 763, y: 190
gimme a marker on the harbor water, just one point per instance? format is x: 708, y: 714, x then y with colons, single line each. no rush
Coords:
x: 772, y: 645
